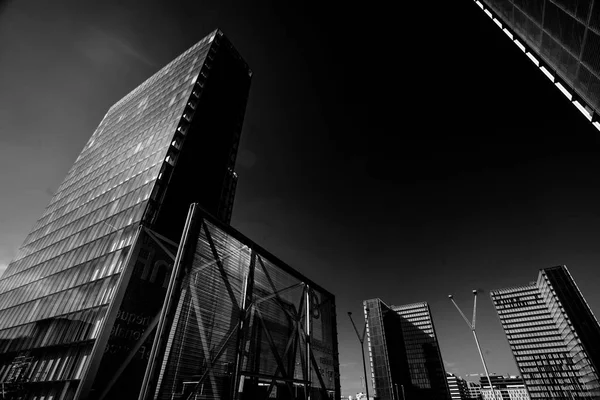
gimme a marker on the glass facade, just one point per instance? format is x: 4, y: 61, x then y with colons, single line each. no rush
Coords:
x: 553, y: 336
x: 404, y: 352
x: 565, y: 35
x: 377, y: 335
x: 243, y: 325
x: 64, y: 299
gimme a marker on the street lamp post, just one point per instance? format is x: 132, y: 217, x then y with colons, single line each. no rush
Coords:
x: 361, y: 339
x: 472, y: 327
x: 397, y: 395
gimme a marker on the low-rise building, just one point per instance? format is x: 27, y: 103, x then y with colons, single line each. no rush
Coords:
x: 457, y: 386
x: 504, y: 388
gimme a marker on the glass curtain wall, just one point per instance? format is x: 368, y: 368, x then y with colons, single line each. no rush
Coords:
x: 246, y: 326
x: 552, y: 334
x: 54, y: 296
x: 565, y: 33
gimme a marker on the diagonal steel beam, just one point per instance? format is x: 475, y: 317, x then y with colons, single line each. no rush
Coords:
x: 287, y: 349
x: 241, y: 339
x: 212, y: 362
x: 169, y: 345
x: 211, y: 243
x: 275, y: 291
x: 161, y: 237
x: 155, y: 237
x: 171, y: 301
x: 201, y: 329
x: 317, y: 371
x: 96, y: 356
x: 276, y: 294
x: 130, y: 356
x: 274, y: 349
x: 296, y: 337
x: 302, y: 301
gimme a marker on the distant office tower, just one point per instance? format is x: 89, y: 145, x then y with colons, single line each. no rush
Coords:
x: 562, y: 38
x: 457, y: 386
x: 504, y: 387
x: 79, y: 303
x: 553, y: 335
x: 405, y: 357
x: 474, y: 390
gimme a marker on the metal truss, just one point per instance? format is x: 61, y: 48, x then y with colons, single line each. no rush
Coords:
x: 249, y: 320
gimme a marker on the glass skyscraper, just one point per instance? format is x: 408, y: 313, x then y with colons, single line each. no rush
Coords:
x: 404, y: 352
x: 553, y: 334
x: 562, y: 37
x: 79, y: 302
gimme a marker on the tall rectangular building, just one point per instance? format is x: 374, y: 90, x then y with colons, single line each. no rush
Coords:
x: 562, y: 38
x: 80, y: 303
x: 404, y: 352
x: 553, y: 334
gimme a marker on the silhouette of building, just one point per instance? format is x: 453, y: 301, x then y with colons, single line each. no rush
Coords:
x: 553, y: 335
x: 87, y: 293
x: 562, y: 38
x: 405, y: 357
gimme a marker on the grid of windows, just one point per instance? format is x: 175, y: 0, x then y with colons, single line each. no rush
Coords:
x: 474, y: 390
x: 54, y: 296
x: 404, y: 351
x: 422, y: 348
x: 378, y: 351
x: 566, y: 34
x: 546, y: 347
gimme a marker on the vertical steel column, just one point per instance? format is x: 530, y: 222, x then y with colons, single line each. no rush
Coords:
x: 336, y: 352
x: 170, y: 305
x: 238, y: 384
x: 361, y: 339
x: 87, y: 380
x: 308, y: 339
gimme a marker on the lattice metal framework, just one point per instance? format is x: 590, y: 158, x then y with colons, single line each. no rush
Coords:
x: 241, y: 324
x: 562, y: 37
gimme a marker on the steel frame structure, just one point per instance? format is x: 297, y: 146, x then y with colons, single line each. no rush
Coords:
x: 582, y: 90
x: 252, y: 328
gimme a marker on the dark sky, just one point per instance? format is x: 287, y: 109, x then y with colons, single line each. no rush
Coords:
x: 401, y: 153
